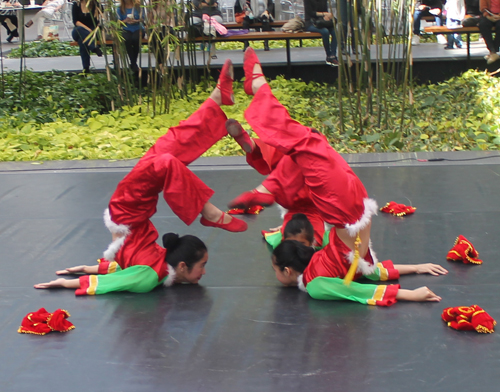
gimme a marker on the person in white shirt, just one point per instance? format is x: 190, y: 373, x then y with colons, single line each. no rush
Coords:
x: 455, y: 12
x: 47, y: 12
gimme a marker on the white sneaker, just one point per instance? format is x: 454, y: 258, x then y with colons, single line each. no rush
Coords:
x: 442, y: 39
x: 415, y: 40
x: 493, y: 57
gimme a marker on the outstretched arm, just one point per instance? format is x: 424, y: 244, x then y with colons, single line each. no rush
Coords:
x: 59, y: 283
x: 84, y: 269
x: 422, y: 294
x: 428, y: 268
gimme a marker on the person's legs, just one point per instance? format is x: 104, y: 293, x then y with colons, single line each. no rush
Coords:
x: 40, y: 18
x: 496, y: 42
x: 325, y: 36
x: 79, y: 34
x: 417, y: 17
x: 132, y: 46
x: 485, y: 26
x: 333, y: 42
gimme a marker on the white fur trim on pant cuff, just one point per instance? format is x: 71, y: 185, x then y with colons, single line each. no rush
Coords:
x: 171, y: 276
x: 300, y: 283
x: 371, y: 208
x: 283, y: 211
x: 364, y: 267
x: 113, y: 248
x: 112, y: 226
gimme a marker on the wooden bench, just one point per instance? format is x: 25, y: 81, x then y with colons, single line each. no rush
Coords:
x: 259, y: 36
x: 252, y: 36
x: 237, y: 26
x: 460, y: 30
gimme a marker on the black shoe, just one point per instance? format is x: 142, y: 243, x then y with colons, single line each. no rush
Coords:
x: 86, y: 70
x: 332, y: 61
x: 448, y: 47
x: 98, y: 52
x: 10, y: 38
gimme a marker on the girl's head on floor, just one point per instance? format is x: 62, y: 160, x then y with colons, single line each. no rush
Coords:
x: 300, y: 229
x: 290, y: 259
x: 187, y: 255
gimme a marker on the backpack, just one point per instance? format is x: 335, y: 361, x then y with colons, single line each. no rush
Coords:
x: 294, y: 25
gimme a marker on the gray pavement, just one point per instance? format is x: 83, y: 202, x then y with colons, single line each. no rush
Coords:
x: 299, y: 56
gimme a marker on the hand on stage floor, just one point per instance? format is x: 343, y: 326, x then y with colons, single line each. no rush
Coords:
x: 422, y: 294
x: 429, y: 268
x: 58, y: 283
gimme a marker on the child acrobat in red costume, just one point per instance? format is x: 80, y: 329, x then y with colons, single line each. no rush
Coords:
x: 342, y: 201
x: 134, y: 261
x: 283, y: 185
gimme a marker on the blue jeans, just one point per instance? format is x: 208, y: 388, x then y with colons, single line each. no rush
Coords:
x: 330, y: 46
x: 454, y: 38
x: 79, y: 34
x: 347, y: 17
x: 417, y: 17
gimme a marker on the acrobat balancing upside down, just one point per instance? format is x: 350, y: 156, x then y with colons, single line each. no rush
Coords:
x: 134, y: 261
x: 338, y: 195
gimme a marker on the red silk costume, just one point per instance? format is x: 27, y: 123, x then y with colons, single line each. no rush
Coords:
x: 162, y: 168
x: 335, y: 190
x: 286, y: 182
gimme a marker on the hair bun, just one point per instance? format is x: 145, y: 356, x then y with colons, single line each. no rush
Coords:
x: 170, y: 241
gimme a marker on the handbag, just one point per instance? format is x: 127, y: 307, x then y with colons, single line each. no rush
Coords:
x: 473, y: 21
x: 321, y: 23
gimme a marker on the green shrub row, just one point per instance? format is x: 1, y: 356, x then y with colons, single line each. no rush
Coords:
x: 57, y: 121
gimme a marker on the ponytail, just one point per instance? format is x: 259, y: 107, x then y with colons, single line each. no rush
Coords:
x: 187, y: 248
x: 292, y: 254
x: 297, y: 225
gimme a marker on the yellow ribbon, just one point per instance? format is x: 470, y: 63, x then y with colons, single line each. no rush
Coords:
x: 354, y: 265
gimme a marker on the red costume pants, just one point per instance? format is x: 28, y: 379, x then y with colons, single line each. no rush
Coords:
x: 163, y: 168
x: 333, y: 187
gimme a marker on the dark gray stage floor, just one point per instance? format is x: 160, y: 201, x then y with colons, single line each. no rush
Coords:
x: 239, y: 330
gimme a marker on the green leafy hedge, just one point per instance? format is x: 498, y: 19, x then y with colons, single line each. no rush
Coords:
x: 51, y: 96
x: 45, y: 49
x: 460, y: 114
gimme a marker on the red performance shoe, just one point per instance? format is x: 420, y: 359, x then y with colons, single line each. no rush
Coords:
x: 235, y: 129
x: 249, y: 62
x: 235, y: 225
x: 225, y: 83
x: 252, y: 198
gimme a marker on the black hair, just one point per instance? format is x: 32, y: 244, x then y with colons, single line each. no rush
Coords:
x: 292, y: 254
x: 299, y: 224
x: 187, y: 248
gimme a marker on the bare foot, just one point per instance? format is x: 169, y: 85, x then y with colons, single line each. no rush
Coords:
x: 216, y: 96
x: 260, y: 81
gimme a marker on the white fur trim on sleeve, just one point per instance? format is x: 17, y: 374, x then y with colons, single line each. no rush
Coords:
x: 171, y: 276
x: 371, y: 208
x: 300, y: 283
x: 112, y: 226
x: 364, y: 267
x: 113, y: 248
x: 283, y: 211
